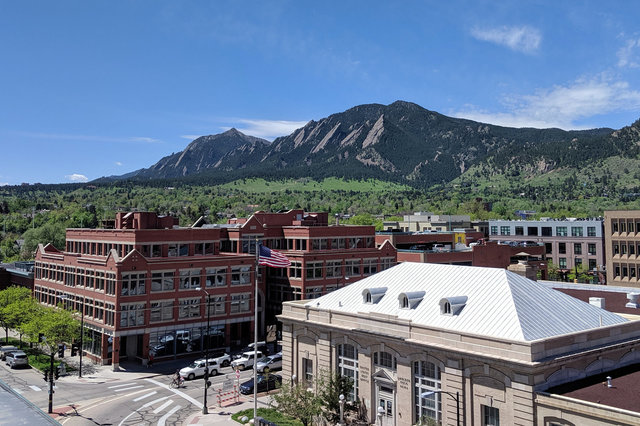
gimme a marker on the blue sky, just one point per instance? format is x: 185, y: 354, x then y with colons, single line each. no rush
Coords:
x: 97, y: 88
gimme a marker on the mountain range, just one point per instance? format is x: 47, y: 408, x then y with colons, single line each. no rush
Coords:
x: 401, y: 142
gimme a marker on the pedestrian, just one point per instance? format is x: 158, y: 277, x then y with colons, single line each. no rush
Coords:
x: 150, y: 360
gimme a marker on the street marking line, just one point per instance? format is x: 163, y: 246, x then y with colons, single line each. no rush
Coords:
x: 145, y: 396
x: 18, y: 391
x: 144, y: 406
x: 35, y: 388
x: 129, y: 388
x: 119, y: 386
x: 163, y: 406
x: 164, y: 418
x: 177, y: 392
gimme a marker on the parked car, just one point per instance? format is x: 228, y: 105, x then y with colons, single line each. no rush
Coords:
x: 17, y: 359
x: 264, y: 384
x: 197, y: 369
x: 246, y: 360
x: 269, y: 363
x: 5, y: 350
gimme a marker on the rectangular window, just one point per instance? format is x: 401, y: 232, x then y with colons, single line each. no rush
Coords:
x: 162, y: 281
x: 505, y: 230
x: 333, y: 268
x: 591, y: 231
x: 314, y: 270
x: 240, y: 275
x: 562, y: 262
x: 133, y: 284
x: 561, y: 231
x: 216, y: 277
x: 490, y: 416
x: 132, y: 315
x: 173, y: 250
x: 548, y: 248
x: 577, y: 231
x: 562, y: 248
x: 577, y: 248
x: 189, y: 278
x: 369, y: 266
x: 295, y: 270
x: 623, y: 248
x: 614, y: 226
x: 494, y: 230
x: 386, y: 263
x: 578, y: 262
x: 532, y: 231
x: 319, y: 244
x: 546, y: 231
x: 623, y: 226
x: 592, y: 248
x: 632, y: 248
x: 616, y: 248
x: 352, y: 267
x: 240, y: 303
x: 519, y: 230
x: 161, y: 311
x: 190, y: 308
x: 592, y: 264
x: 307, y: 368
x: 218, y: 305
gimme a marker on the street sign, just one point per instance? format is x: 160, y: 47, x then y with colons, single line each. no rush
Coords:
x: 227, y: 384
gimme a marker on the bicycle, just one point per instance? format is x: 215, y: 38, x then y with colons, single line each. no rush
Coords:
x: 176, y: 383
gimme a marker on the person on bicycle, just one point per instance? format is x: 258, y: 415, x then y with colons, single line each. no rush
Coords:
x: 177, y: 379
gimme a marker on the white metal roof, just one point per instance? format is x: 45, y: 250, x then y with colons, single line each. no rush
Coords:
x: 499, y: 303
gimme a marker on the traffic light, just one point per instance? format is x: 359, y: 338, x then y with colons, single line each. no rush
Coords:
x: 74, y: 349
x: 46, y: 375
x: 208, y: 382
x: 60, y: 351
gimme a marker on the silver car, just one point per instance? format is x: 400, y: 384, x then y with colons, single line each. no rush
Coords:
x: 271, y: 362
x: 17, y: 359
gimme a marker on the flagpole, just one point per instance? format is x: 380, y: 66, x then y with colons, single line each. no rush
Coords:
x: 255, y: 337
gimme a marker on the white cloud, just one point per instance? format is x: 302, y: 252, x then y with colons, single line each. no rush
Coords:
x: 629, y: 54
x: 118, y: 163
x: 76, y: 177
x: 268, y: 129
x: 561, y: 106
x: 89, y: 138
x: 524, y: 39
x: 190, y: 137
x: 4, y: 183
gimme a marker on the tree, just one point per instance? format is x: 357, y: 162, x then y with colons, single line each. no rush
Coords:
x: 47, y: 233
x: 330, y: 387
x: 8, y: 297
x: 19, y: 313
x: 299, y: 402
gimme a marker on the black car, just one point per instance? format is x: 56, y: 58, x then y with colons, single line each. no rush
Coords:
x: 264, y: 384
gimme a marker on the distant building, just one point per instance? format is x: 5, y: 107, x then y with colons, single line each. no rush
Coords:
x: 419, y: 338
x: 570, y: 244
x: 16, y: 274
x: 622, y: 240
x: 427, y: 221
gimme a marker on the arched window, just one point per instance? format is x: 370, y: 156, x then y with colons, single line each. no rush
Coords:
x: 348, y: 367
x: 426, y: 379
x: 385, y: 359
x: 404, y: 302
x: 446, y: 309
x: 368, y: 298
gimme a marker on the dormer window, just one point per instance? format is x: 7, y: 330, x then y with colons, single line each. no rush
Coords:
x: 373, y: 295
x: 452, y: 305
x: 404, y: 301
x: 411, y: 299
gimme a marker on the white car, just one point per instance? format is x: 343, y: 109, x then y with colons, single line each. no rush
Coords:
x: 17, y: 358
x: 197, y: 369
x: 246, y: 360
x: 270, y: 363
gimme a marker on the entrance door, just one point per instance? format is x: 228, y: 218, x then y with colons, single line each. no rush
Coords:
x: 385, y: 410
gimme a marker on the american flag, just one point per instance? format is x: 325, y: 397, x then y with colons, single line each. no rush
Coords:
x: 272, y: 258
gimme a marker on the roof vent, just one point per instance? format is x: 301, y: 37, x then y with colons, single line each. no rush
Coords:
x: 452, y: 305
x: 597, y: 301
x: 410, y: 299
x: 373, y: 295
x: 633, y: 300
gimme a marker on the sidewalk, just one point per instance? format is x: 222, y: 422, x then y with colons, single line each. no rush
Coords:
x: 222, y: 416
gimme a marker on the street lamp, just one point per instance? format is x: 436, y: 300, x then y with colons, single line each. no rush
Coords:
x: 456, y: 397
x: 205, y: 410
x: 341, y: 397
x: 380, y: 413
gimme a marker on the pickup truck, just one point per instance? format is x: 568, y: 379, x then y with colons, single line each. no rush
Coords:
x: 246, y: 360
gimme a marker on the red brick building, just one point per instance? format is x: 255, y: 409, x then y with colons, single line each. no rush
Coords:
x: 144, y: 284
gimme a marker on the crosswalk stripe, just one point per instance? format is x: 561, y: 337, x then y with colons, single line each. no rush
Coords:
x: 145, y: 396
x: 119, y: 386
x: 35, y: 388
x: 163, y: 406
x: 164, y: 418
x: 129, y: 388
